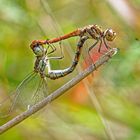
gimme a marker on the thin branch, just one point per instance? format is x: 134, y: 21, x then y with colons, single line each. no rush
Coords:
x: 58, y: 92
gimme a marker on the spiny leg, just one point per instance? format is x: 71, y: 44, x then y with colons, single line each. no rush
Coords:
x: 99, y: 50
x: 61, y: 49
x: 84, y: 56
x: 52, y: 47
x: 106, y: 44
x: 91, y: 49
x: 58, y: 57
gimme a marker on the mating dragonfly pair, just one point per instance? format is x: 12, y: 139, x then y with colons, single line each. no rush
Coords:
x: 41, y: 50
x: 89, y: 32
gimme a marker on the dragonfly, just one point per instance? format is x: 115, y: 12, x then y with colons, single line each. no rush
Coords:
x: 91, y: 31
x: 41, y: 64
x: 94, y: 32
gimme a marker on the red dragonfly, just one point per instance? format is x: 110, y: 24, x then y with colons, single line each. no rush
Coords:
x: 91, y: 31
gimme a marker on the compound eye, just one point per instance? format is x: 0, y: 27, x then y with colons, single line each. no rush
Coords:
x: 110, y: 35
x: 38, y: 50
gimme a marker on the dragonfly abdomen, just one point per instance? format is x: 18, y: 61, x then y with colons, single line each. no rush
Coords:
x: 55, y: 74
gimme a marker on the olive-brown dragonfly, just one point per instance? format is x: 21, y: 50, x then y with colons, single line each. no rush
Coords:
x: 40, y: 49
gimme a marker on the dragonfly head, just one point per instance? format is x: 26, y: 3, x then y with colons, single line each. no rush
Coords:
x: 37, y: 48
x: 109, y: 35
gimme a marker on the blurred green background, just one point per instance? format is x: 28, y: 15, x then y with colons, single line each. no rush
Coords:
x: 104, y: 106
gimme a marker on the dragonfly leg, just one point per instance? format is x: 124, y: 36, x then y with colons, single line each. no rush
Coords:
x: 52, y: 47
x: 91, y: 49
x: 62, y: 53
x: 58, y: 57
x: 99, y: 50
x: 106, y: 44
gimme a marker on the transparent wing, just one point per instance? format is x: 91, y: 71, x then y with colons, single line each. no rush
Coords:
x: 20, y: 97
x: 40, y: 93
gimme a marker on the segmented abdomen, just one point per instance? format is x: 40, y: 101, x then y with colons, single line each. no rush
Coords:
x: 55, y: 74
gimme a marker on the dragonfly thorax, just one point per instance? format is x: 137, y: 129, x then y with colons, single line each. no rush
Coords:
x: 92, y: 31
x: 40, y: 66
